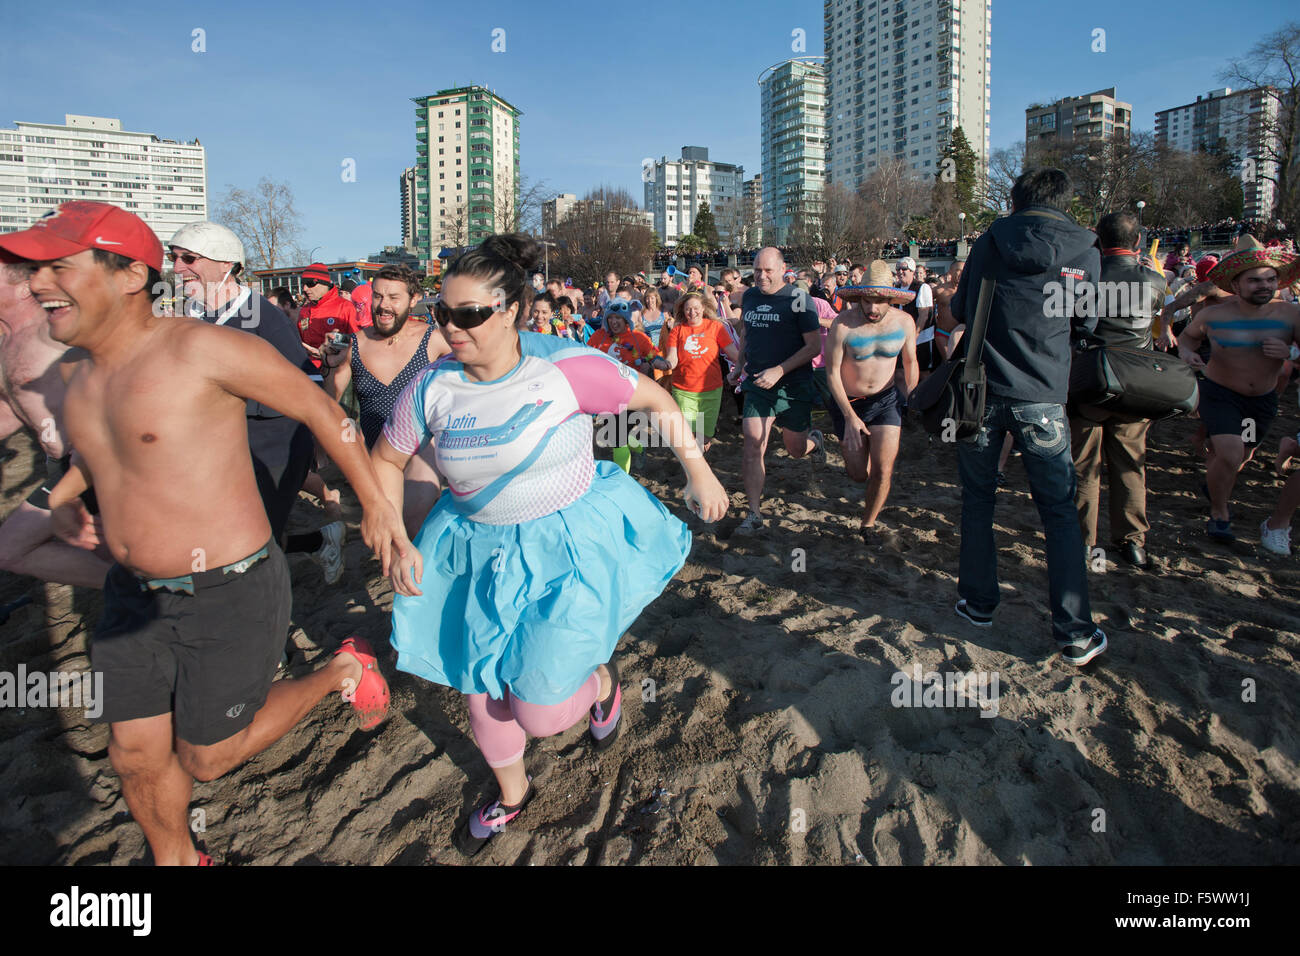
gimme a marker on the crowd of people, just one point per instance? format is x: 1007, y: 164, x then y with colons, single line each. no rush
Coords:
x: 471, y: 428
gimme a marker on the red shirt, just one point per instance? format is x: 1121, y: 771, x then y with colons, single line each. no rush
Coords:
x: 332, y: 313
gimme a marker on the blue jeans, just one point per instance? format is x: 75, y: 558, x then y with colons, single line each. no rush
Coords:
x: 1042, y: 434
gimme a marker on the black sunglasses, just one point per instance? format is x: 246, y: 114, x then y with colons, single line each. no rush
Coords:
x: 312, y: 283
x: 466, y: 317
x: 186, y: 257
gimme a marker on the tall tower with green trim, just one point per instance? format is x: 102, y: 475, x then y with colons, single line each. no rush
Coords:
x: 466, y: 169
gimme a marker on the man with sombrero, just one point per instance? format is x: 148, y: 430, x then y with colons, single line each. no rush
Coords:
x: 1250, y: 335
x: 863, y: 349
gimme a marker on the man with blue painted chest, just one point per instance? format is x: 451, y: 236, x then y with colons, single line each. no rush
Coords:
x: 1250, y: 337
x: 863, y: 349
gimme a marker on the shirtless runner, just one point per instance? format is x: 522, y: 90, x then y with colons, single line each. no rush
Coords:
x: 196, y: 609
x: 1250, y: 337
x: 944, y: 323
x: 31, y: 396
x: 862, y: 356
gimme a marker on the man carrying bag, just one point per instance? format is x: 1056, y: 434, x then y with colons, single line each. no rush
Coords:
x: 1039, y: 258
x: 1129, y: 295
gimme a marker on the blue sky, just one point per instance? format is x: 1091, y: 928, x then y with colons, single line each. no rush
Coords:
x: 291, y: 90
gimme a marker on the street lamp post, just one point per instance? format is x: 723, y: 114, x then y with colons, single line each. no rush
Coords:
x: 962, y: 216
x: 1141, y: 204
x: 546, y: 258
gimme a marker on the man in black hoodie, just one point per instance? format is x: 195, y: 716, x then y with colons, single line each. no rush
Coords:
x: 1043, y: 263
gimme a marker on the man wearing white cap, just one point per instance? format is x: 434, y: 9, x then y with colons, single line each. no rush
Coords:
x: 207, y: 258
x: 923, y: 304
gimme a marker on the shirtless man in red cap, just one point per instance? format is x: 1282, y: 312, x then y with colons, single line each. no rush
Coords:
x: 196, y: 609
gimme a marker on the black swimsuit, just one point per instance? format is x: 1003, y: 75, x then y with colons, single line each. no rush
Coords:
x: 377, y: 399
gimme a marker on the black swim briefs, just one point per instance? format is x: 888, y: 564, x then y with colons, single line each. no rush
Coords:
x: 1226, y: 412
x: 879, y: 409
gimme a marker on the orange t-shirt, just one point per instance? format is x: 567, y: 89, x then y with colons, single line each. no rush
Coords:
x: 630, y: 346
x: 697, y: 355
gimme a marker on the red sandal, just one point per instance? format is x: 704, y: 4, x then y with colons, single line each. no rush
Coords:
x: 370, y: 697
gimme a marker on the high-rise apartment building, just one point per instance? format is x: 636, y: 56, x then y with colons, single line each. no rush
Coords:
x: 1074, y: 119
x: 467, y: 168
x: 792, y: 95
x: 901, y: 75
x: 675, y: 188
x: 163, y: 181
x: 752, y: 200
x: 554, y: 210
x: 407, y: 185
x: 1241, y: 122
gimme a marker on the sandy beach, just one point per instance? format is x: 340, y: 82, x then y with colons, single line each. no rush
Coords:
x: 758, y: 721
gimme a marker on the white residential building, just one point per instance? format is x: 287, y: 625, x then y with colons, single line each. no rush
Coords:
x: 1240, y: 120
x: 901, y: 75
x: 163, y: 181
x: 792, y: 97
x: 675, y: 188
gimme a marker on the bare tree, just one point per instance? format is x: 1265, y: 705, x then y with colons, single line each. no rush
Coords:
x: 1005, y: 167
x: 1108, y: 174
x: 521, y: 211
x: 892, y: 196
x: 266, y: 222
x: 455, y: 226
x: 734, y: 222
x: 1273, y: 67
x: 603, y: 231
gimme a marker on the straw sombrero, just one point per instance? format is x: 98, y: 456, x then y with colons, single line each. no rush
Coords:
x: 879, y: 284
x: 1253, y: 256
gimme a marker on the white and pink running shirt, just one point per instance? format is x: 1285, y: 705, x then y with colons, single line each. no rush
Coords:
x: 518, y: 447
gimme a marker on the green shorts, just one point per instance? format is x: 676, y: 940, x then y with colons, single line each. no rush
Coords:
x: 790, y: 403
x: 700, y: 409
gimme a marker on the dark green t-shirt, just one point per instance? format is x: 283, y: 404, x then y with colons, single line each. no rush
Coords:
x: 774, y: 329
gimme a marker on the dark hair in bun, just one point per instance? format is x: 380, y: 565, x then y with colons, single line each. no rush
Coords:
x: 503, y: 262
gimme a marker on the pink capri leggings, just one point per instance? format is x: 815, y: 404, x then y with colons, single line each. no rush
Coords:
x: 501, y: 727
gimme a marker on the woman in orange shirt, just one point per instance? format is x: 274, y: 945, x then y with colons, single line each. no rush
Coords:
x: 692, y: 347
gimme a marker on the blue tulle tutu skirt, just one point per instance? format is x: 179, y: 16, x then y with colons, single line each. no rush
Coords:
x: 536, y: 607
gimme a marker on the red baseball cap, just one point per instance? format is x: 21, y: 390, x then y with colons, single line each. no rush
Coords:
x: 1204, y: 266
x: 84, y: 225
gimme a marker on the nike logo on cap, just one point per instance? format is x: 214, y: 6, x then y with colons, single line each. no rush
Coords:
x: 101, y: 241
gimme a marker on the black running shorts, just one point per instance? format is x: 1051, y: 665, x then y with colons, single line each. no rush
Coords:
x: 207, y: 658
x: 1226, y: 412
x: 879, y: 409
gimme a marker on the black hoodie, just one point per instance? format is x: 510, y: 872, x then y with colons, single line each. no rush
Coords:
x: 1039, y: 257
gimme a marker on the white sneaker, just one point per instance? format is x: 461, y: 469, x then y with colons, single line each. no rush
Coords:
x: 751, y: 524
x: 330, y: 554
x: 1275, y: 540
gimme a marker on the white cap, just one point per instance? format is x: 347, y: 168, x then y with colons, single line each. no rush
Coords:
x: 907, y: 262
x: 211, y: 241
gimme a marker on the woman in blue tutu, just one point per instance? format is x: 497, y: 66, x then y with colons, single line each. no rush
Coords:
x: 539, y: 557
